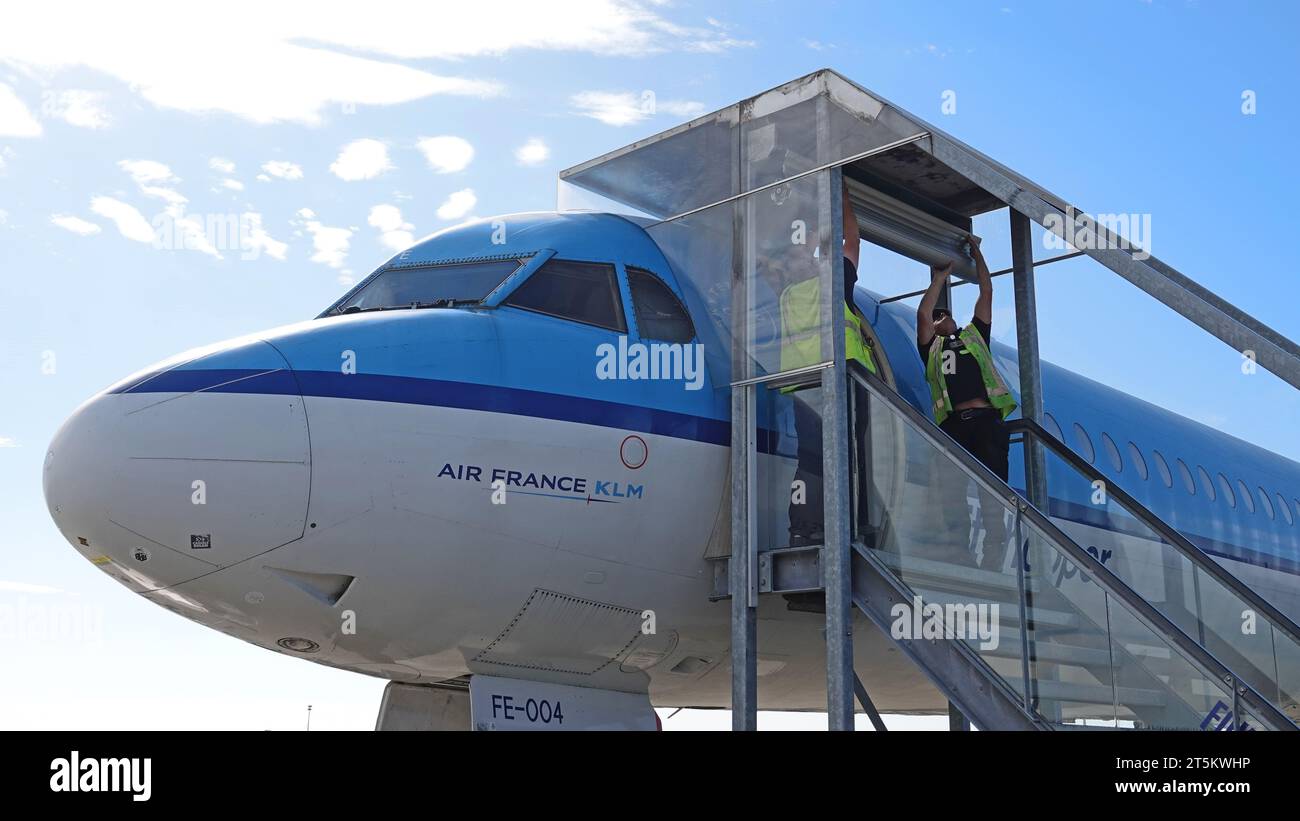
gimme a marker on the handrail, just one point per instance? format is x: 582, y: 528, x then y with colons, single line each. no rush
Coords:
x: 1177, y: 540
x: 1111, y: 584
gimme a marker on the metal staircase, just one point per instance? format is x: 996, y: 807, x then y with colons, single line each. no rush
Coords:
x: 1014, y: 647
x: 1085, y: 651
x: 738, y: 200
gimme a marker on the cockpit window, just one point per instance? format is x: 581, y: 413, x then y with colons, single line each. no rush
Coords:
x: 585, y: 292
x: 428, y: 286
x: 659, y: 313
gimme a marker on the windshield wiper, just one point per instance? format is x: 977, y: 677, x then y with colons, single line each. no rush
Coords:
x: 449, y: 302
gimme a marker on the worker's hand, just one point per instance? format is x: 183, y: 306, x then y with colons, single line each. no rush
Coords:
x: 937, y: 272
x: 974, y: 246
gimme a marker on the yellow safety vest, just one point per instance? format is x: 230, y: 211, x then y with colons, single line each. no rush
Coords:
x: 801, y: 343
x: 999, y: 396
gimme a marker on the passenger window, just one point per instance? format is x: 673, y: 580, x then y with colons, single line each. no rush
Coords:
x: 659, y: 313
x: 1226, y: 487
x: 1186, y: 474
x: 584, y: 292
x: 1163, y: 467
x: 1113, y: 452
x: 1135, y: 456
x: 1084, y: 443
x: 1049, y: 423
x: 1246, y: 498
x: 1285, y: 508
x: 1266, y: 503
x: 1206, y: 483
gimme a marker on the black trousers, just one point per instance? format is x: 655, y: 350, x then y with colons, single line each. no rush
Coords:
x: 807, y: 514
x: 984, y: 435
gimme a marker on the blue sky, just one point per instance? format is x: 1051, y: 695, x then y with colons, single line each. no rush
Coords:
x: 333, y: 139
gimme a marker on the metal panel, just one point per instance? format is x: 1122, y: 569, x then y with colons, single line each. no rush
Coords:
x: 1031, y: 382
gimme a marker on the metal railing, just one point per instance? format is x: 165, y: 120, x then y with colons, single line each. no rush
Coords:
x: 1215, y: 587
x: 1097, y: 643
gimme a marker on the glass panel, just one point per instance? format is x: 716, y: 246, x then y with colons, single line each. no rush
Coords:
x: 803, y: 125
x: 699, y: 248
x: 579, y: 291
x: 1203, y: 607
x: 659, y: 313
x: 1157, y: 689
x: 811, y: 123
x: 669, y: 175
x: 944, y: 535
x: 424, y: 285
x: 787, y: 258
x: 1090, y: 660
x: 785, y: 248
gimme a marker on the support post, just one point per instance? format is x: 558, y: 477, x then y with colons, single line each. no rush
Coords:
x: 1031, y: 385
x: 957, y: 722
x: 744, y: 607
x: 836, y: 559
x: 744, y: 614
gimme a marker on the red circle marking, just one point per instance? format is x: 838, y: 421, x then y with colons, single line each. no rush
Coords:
x: 623, y: 458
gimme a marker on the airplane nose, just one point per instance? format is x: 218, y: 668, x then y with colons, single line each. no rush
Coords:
x: 185, y: 468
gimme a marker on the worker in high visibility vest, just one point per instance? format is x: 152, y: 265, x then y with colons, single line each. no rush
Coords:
x: 969, y: 398
x: 801, y: 346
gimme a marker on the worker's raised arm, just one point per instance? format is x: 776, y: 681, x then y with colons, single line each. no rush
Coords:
x: 924, y: 320
x: 852, y: 237
x: 983, y: 305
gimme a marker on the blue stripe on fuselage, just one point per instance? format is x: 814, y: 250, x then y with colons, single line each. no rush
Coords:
x: 442, y: 393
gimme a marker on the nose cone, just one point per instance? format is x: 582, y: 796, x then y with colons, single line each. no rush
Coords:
x: 183, y: 469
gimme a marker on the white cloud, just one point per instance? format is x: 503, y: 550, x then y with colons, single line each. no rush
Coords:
x: 8, y: 442
x: 445, y: 154
x: 256, y: 240
x: 4, y: 216
x: 263, y: 178
x: 458, y: 204
x: 172, y: 196
x: 130, y: 222
x: 84, y: 109
x: 296, y: 62
x: 329, y: 244
x: 75, y: 224
x: 15, y: 119
x: 147, y: 171
x: 283, y: 169
x: 173, y: 229
x: 532, y: 152
x: 394, y: 231
x: 626, y: 107
x: 361, y: 160
x: 222, y: 165
x: 178, y: 230
x: 233, y: 185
